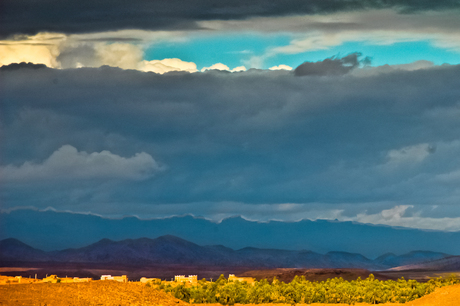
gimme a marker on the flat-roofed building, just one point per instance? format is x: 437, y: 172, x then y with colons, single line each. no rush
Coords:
x: 191, y: 279
x: 121, y: 279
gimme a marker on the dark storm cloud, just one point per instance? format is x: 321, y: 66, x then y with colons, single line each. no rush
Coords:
x: 251, y: 137
x: 23, y: 65
x: 331, y: 66
x: 70, y: 16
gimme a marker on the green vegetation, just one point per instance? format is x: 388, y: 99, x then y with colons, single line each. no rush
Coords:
x: 336, y: 290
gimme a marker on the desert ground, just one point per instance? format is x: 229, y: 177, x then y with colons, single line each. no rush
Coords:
x: 107, y: 293
x: 111, y: 293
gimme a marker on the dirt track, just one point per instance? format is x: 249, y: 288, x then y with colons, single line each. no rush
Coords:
x: 110, y: 293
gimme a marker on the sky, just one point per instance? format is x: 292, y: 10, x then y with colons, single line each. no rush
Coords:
x: 271, y: 110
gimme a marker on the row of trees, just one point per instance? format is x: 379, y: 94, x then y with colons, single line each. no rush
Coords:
x: 336, y: 290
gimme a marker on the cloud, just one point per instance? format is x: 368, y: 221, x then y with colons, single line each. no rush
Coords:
x: 96, y: 50
x: 222, y: 67
x: 410, y: 155
x: 329, y: 66
x: 96, y: 54
x: 167, y: 65
x: 306, y: 33
x: 23, y: 65
x: 124, y: 49
x: 370, y: 71
x: 125, y: 56
x: 68, y: 163
x: 375, y: 27
x: 38, y: 49
x: 254, y: 137
x: 396, y: 216
x: 218, y: 66
x: 239, y: 69
x: 161, y: 14
x: 280, y: 67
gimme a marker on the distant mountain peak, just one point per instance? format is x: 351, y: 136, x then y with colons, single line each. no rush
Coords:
x: 12, y: 242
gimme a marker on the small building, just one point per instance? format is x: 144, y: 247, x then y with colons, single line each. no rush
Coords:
x: 50, y: 279
x: 121, y: 279
x: 191, y: 279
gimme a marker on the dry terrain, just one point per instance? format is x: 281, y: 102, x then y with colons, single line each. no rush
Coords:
x: 107, y: 293
x: 112, y: 293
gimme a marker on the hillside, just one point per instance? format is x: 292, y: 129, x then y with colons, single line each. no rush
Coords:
x: 169, y: 250
x: 12, y: 249
x: 413, y: 257
x: 50, y: 231
x: 451, y: 263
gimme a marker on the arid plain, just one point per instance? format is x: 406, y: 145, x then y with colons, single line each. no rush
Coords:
x: 111, y: 293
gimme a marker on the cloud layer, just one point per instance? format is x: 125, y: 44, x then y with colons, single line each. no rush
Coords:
x: 350, y: 146
x: 380, y: 28
x: 87, y: 16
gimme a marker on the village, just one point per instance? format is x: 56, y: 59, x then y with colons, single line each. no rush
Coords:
x: 190, y: 280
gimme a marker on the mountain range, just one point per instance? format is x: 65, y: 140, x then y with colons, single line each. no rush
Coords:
x: 451, y: 263
x: 171, y: 250
x: 50, y: 230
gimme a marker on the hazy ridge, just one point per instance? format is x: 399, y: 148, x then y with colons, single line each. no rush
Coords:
x: 171, y: 250
x: 49, y: 230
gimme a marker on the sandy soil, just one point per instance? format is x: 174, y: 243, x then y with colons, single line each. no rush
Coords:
x: 107, y: 293
x: 110, y: 293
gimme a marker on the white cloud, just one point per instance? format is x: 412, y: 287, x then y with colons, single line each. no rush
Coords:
x: 396, y: 217
x: 57, y: 50
x: 239, y: 69
x: 281, y: 67
x: 122, y: 49
x: 68, y: 163
x: 222, y: 67
x: 167, y: 65
x: 218, y: 66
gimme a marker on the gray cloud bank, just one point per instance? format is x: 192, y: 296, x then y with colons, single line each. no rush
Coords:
x: 342, y: 145
x: 331, y: 66
x: 70, y: 16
